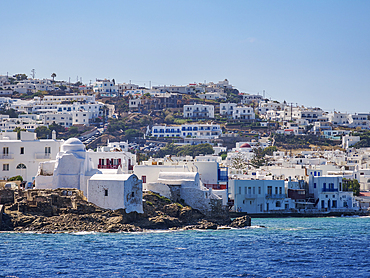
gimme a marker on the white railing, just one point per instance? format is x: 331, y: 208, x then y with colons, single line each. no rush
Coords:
x: 42, y: 156
x: 7, y: 156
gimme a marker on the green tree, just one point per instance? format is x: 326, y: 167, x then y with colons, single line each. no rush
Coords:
x: 192, y: 150
x: 53, y: 75
x: 351, y: 185
x: 132, y: 133
x: 57, y: 127
x: 239, y: 162
x: 223, y: 155
x: 169, y: 119
x: 11, y: 112
x: 259, y: 158
x: 233, y: 95
x: 270, y: 150
x: 43, y: 132
x: 16, y: 178
x: 20, y: 76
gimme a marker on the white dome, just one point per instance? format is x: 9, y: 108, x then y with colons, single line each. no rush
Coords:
x: 73, y: 145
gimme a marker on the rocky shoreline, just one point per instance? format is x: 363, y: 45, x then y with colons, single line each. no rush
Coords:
x: 66, y: 210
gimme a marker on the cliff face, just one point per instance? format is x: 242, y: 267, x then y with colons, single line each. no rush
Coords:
x: 66, y: 210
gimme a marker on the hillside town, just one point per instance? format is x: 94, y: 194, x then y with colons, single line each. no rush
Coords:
x: 205, y: 145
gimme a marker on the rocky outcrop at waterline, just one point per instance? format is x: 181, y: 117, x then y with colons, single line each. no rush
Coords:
x: 66, y: 210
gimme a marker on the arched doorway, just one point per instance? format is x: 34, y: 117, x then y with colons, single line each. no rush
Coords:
x: 22, y: 170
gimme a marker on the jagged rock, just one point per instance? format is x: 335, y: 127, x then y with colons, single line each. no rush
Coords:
x: 172, y: 210
x: 51, y: 211
x: 163, y: 222
x: 241, y: 222
x: 189, y: 215
x: 24, y: 220
x: 206, y: 225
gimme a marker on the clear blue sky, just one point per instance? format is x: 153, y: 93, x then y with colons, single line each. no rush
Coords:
x: 314, y: 53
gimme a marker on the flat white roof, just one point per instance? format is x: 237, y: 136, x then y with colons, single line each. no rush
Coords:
x: 111, y: 177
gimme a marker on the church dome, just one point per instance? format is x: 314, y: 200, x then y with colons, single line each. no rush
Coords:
x: 73, y: 145
x: 245, y: 145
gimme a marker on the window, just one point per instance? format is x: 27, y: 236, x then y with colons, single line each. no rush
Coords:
x: 21, y: 166
x: 132, y: 194
x: 143, y: 179
x: 5, y: 151
x: 47, y: 150
x: 105, y: 192
x: 259, y: 190
x: 278, y: 204
x: 5, y: 167
x: 269, y: 190
x: 22, y: 150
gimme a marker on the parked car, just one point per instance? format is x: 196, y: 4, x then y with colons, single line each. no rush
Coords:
x: 10, y: 185
x: 29, y: 185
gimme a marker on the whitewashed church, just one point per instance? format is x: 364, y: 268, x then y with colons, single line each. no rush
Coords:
x: 112, y: 188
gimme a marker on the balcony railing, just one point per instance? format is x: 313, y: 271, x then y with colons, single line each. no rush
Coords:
x: 275, y: 196
x: 223, y: 178
x: 330, y: 190
x: 7, y: 156
x: 250, y: 196
x: 42, y: 156
x: 108, y: 166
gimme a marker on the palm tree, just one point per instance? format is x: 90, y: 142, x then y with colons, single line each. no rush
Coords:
x: 53, y: 75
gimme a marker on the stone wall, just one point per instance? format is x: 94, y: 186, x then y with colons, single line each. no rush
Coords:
x: 47, y: 201
x: 6, y: 196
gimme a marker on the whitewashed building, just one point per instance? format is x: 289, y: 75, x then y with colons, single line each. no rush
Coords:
x: 191, y: 133
x: 258, y: 196
x: 22, y: 156
x: 9, y: 124
x: 329, y: 193
x: 348, y: 141
x: 243, y: 113
x: 116, y: 191
x: 227, y: 109
x: 105, y: 87
x: 248, y: 99
x: 178, y: 181
x: 199, y: 111
x: 211, y: 95
x: 111, y: 187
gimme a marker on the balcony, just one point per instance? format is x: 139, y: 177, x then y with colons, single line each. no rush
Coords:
x: 42, y: 156
x: 275, y: 196
x: 330, y: 189
x: 223, y: 175
x: 7, y: 156
x: 250, y: 196
x: 223, y: 178
x: 109, y: 166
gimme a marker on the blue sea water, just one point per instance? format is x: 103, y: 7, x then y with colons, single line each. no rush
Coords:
x: 287, y: 247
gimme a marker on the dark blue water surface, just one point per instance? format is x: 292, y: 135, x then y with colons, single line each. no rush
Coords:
x: 291, y: 247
